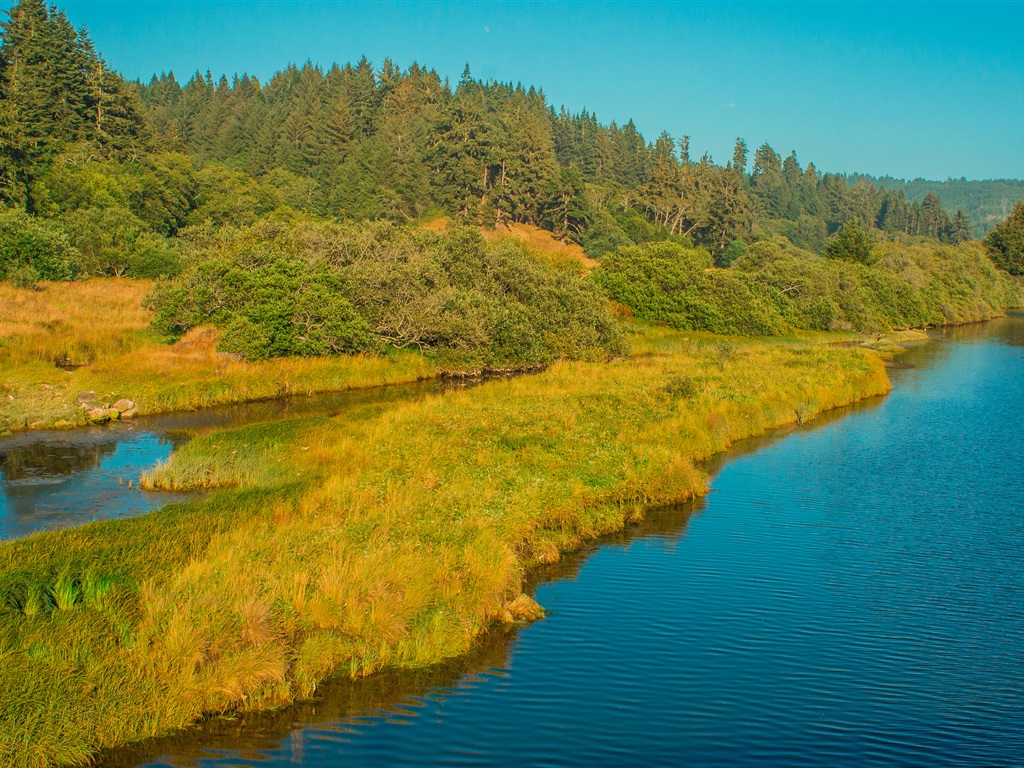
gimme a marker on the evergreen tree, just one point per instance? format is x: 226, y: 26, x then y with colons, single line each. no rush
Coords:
x: 56, y: 91
x: 768, y: 185
x: 1005, y: 243
x: 851, y: 243
x: 960, y: 228
x: 739, y: 157
x: 933, y: 220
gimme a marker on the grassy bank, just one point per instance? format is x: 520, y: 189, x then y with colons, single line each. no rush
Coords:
x: 100, y: 333
x: 389, y: 538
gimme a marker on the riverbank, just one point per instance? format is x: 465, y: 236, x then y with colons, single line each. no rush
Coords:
x: 391, y: 537
x: 94, y: 336
x: 93, y: 339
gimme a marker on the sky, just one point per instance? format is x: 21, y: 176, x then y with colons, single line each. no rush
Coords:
x: 923, y: 89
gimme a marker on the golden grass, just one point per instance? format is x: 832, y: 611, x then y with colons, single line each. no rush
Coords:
x: 371, y: 540
x: 83, y: 320
x: 101, y: 326
x: 541, y: 242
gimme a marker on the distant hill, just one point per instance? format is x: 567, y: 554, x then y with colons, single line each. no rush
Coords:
x: 986, y: 203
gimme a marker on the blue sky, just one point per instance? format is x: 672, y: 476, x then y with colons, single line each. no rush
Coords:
x: 910, y: 89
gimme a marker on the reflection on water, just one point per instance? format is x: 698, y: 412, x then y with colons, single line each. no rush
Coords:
x: 53, y: 479
x: 342, y: 708
x: 848, y: 596
x: 1007, y: 330
x: 51, y: 460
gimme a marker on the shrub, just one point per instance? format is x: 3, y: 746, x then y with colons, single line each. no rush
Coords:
x: 315, y: 289
x: 115, y: 242
x: 34, y: 246
x: 670, y: 282
x: 775, y: 286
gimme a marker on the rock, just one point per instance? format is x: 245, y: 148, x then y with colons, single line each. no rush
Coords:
x: 130, y: 413
x: 85, y: 398
x: 63, y: 424
x: 124, y: 404
x: 101, y: 415
x: 525, y: 608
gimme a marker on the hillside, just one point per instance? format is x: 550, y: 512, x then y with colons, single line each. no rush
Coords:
x: 986, y: 203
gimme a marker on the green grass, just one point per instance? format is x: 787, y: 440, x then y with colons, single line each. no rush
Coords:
x: 389, y: 538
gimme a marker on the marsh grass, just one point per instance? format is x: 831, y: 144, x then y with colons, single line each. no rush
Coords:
x: 99, y: 332
x: 389, y: 538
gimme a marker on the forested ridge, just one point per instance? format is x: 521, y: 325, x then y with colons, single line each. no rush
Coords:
x: 986, y: 203
x: 99, y: 176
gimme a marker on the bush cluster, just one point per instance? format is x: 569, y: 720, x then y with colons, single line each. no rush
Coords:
x: 317, y: 288
x: 774, y: 287
x: 34, y: 249
x: 678, y: 285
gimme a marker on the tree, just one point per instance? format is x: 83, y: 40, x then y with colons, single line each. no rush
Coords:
x: 934, y: 219
x: 851, y: 243
x: 739, y: 157
x: 1005, y: 243
x: 767, y: 184
x: 960, y: 229
x: 56, y: 91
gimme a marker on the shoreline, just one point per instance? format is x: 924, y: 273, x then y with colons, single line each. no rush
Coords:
x: 124, y: 360
x: 490, y: 643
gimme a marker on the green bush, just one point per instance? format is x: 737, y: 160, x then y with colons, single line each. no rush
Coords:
x: 25, y: 276
x: 114, y: 241
x: 775, y: 286
x: 31, y: 247
x: 158, y: 190
x: 669, y: 282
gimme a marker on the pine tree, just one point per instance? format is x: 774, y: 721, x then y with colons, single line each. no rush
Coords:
x: 851, y: 243
x: 767, y: 184
x: 56, y: 91
x: 1005, y: 243
x: 933, y: 219
x: 960, y: 228
x: 739, y: 157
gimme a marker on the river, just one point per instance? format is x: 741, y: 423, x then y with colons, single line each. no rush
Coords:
x: 849, y: 594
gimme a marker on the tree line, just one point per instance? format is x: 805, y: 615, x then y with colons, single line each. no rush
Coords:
x: 355, y: 142
x: 99, y: 176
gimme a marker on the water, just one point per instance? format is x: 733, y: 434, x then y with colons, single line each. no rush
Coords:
x: 55, y: 479
x: 848, y: 595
